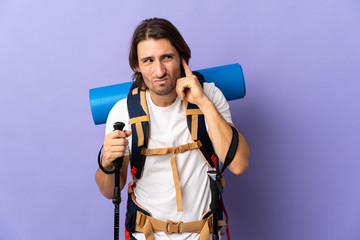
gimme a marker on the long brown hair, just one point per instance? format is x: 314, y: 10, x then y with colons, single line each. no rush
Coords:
x: 156, y: 28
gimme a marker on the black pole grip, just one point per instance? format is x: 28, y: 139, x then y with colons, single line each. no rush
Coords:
x: 117, y: 191
x: 118, y: 162
x: 119, y: 126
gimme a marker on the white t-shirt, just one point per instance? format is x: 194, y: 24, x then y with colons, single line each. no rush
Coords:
x: 155, y: 191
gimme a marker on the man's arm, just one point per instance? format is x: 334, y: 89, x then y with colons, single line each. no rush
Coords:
x: 115, y: 144
x: 220, y: 134
x: 219, y: 130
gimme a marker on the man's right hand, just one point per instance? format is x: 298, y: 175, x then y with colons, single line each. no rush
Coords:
x: 115, y: 145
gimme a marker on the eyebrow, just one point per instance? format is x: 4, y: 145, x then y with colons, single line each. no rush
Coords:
x: 168, y: 54
x: 164, y: 55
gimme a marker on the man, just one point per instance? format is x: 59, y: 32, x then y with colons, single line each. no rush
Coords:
x: 173, y: 187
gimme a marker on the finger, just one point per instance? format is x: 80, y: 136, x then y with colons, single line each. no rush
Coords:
x: 118, y: 149
x: 180, y: 88
x: 119, y: 142
x: 187, y: 69
x: 119, y: 134
x: 111, y: 156
x: 112, y: 153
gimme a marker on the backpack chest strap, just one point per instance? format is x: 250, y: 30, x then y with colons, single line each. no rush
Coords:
x: 178, y: 149
x: 173, y: 150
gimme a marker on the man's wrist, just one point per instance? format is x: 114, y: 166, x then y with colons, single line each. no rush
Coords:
x: 108, y: 167
x: 101, y: 166
x: 205, y: 104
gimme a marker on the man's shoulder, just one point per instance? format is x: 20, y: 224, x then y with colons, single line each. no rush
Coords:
x: 118, y: 113
x: 212, y: 91
x: 120, y: 104
x: 119, y: 108
x: 208, y: 84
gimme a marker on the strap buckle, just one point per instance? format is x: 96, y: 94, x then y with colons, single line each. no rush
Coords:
x: 140, y: 219
x: 184, y: 148
x: 173, y: 227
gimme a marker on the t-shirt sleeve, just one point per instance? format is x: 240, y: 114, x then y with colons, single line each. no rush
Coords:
x: 119, y: 113
x: 219, y: 100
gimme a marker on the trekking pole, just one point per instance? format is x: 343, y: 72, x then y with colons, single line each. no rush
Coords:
x: 117, y: 191
x: 215, y: 202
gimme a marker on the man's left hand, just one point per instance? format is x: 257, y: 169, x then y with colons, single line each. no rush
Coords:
x: 188, y: 88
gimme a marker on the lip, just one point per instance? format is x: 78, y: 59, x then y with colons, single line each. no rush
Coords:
x: 161, y: 80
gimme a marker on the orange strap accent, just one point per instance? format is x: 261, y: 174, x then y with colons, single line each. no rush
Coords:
x: 194, y: 112
x: 148, y: 225
x: 139, y: 119
x: 194, y: 120
x: 135, y: 91
x: 194, y: 127
x: 177, y: 184
x: 140, y: 134
x: 178, y: 149
x: 139, y: 130
x: 173, y: 150
x: 143, y: 102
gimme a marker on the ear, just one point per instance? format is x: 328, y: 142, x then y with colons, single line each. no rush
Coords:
x: 137, y: 68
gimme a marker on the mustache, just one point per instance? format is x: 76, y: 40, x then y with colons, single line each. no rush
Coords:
x: 165, y: 75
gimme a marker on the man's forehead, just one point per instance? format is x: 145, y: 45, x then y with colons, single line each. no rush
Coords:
x: 155, y: 46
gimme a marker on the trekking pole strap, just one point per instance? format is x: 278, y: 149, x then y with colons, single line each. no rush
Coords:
x: 232, y: 149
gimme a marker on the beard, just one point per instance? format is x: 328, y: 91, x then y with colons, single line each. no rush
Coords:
x: 161, y: 89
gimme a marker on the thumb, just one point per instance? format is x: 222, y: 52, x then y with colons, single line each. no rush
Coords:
x: 128, y: 133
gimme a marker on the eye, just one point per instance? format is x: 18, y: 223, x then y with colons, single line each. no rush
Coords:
x: 168, y: 57
x: 149, y: 60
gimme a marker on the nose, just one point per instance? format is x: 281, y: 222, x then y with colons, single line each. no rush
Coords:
x: 159, y: 69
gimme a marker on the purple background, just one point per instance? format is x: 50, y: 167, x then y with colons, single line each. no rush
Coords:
x: 301, y: 113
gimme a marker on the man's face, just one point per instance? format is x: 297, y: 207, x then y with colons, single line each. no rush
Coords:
x: 159, y: 64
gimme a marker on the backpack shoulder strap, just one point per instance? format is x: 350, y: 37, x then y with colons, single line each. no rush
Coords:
x: 139, y: 120
x: 196, y: 125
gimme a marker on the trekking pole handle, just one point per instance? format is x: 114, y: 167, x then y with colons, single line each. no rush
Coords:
x: 118, y: 126
x: 117, y: 190
x: 118, y: 164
